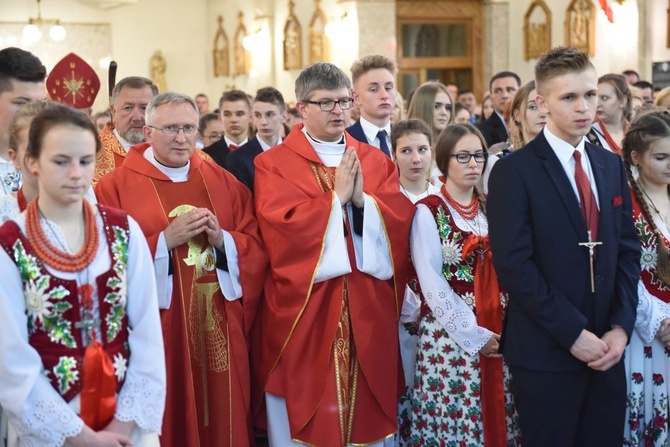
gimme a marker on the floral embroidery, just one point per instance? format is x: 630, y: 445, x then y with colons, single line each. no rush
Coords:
x: 44, y: 308
x: 648, y: 258
x: 118, y: 284
x: 66, y: 373
x: 120, y: 367
x: 451, y: 255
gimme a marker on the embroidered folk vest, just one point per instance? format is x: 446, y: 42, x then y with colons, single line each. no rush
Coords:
x: 53, y: 308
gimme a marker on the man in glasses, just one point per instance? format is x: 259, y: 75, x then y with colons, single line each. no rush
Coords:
x: 210, y: 266
x: 129, y: 102
x: 211, y: 129
x: 336, y: 228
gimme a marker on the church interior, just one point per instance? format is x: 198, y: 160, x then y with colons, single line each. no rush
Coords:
x: 209, y: 46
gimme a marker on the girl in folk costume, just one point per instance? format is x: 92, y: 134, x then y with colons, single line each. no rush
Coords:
x: 461, y: 392
x: 81, y: 355
x: 647, y: 146
x: 615, y: 109
x: 411, y: 142
x: 13, y: 204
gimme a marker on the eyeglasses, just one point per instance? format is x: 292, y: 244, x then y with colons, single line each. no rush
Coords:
x: 464, y: 157
x: 172, y: 131
x: 328, y: 105
x: 212, y: 136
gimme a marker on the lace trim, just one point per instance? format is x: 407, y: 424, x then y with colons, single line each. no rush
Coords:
x: 49, y: 425
x: 142, y: 402
x: 458, y: 322
x: 650, y: 314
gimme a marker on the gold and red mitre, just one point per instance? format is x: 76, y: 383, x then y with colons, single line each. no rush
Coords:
x: 73, y: 82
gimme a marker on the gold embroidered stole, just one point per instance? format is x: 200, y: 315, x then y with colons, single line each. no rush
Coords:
x: 104, y: 162
x: 206, y: 322
x: 344, y: 349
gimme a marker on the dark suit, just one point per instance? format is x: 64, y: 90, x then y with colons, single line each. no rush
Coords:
x: 218, y: 151
x: 535, y: 226
x: 493, y: 129
x: 240, y: 162
x: 356, y: 131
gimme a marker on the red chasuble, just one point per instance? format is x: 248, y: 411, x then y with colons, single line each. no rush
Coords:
x: 330, y: 348
x: 208, y: 377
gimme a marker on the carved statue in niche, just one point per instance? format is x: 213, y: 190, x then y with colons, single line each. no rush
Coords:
x: 221, y: 52
x: 580, y: 26
x: 426, y: 41
x: 158, y: 67
x: 240, y: 55
x: 317, y: 40
x: 537, y: 34
x: 292, y: 41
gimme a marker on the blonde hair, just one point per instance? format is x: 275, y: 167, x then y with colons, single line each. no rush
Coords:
x: 423, y: 104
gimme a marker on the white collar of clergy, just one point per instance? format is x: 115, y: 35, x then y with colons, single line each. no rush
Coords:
x: 125, y: 144
x: 330, y: 153
x: 177, y: 175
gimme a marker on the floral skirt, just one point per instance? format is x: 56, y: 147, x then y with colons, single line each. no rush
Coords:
x: 443, y: 406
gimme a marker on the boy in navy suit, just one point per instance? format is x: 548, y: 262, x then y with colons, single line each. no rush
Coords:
x: 269, y: 115
x: 566, y: 251
x: 373, y: 78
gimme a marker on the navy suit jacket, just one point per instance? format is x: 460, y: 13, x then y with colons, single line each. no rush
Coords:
x: 493, y: 129
x: 356, y: 131
x: 535, y: 226
x: 240, y: 162
x: 218, y: 151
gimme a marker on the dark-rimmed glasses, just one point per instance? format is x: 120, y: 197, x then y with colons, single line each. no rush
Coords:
x: 328, y: 105
x: 464, y: 157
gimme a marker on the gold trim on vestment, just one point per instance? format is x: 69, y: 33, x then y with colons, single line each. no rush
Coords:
x: 302, y: 310
x: 104, y: 162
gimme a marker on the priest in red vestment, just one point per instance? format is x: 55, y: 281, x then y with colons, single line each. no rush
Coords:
x: 210, y: 266
x: 336, y: 230
x: 129, y: 101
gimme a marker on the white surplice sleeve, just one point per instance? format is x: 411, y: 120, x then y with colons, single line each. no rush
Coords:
x: 650, y: 313
x: 373, y: 255
x: 229, y: 281
x: 447, y: 307
x: 37, y: 412
x: 335, y: 260
x: 142, y: 397
x: 162, y: 269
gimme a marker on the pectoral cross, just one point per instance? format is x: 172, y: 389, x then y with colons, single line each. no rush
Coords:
x: 88, y: 323
x: 591, y: 245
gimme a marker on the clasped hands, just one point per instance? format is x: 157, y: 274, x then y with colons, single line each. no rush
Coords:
x: 600, y: 353
x: 349, y: 179
x: 663, y: 333
x: 190, y: 224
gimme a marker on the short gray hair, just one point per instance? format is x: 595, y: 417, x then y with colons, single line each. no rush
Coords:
x: 169, y: 98
x: 134, y: 82
x: 320, y: 76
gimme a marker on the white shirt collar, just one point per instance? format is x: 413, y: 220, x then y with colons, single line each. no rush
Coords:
x: 562, y: 148
x: 124, y: 143
x: 229, y: 141
x: 264, y: 145
x: 502, y: 118
x: 330, y: 153
x: 177, y: 175
x: 370, y: 130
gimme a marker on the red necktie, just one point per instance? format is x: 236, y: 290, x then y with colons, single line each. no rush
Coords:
x: 232, y: 147
x: 586, y: 197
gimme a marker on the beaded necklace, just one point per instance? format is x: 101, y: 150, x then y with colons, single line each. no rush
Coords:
x: 469, y: 211
x: 21, y: 199
x: 54, y: 257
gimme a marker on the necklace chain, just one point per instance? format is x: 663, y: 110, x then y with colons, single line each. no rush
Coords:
x: 663, y: 217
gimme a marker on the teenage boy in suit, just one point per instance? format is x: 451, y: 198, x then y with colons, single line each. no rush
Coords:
x: 566, y: 251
